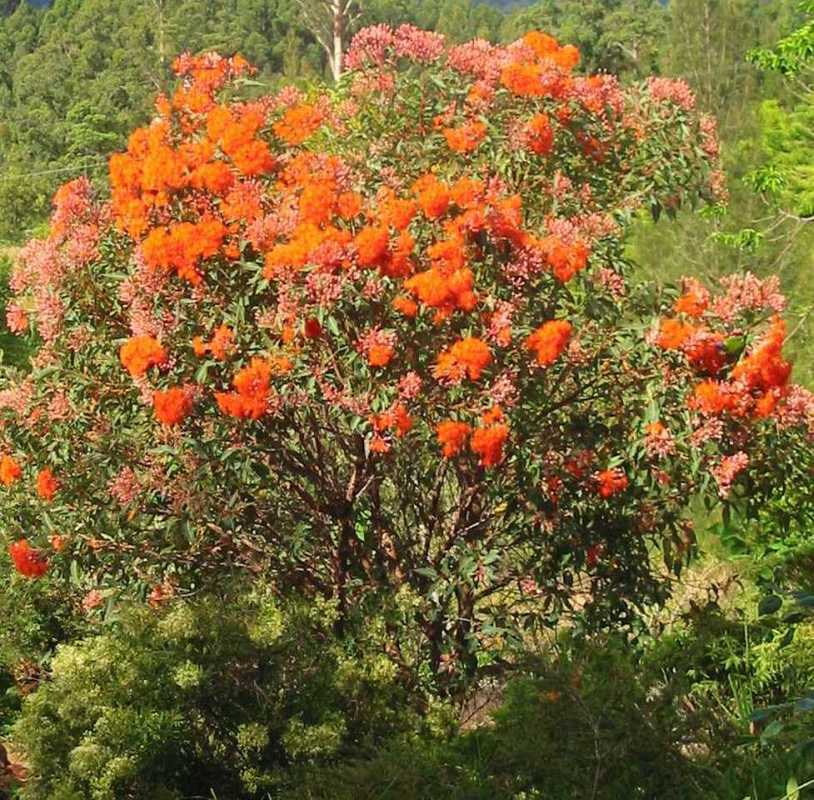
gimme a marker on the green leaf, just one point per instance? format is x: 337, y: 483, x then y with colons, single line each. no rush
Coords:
x: 75, y: 576
x: 769, y: 605
x: 426, y: 572
x: 792, y: 789
x: 773, y: 730
x: 761, y: 714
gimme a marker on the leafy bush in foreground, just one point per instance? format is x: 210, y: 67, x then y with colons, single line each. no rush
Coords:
x: 218, y: 694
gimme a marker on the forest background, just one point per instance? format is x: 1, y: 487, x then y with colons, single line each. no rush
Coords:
x: 78, y: 76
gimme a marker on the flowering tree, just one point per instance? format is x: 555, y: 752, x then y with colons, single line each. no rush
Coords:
x: 380, y: 343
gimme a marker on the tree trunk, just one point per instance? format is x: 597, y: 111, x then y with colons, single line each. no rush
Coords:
x: 338, y: 39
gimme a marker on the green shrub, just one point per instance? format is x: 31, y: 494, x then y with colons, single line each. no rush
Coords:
x: 214, y: 695
x: 599, y: 720
x: 581, y: 723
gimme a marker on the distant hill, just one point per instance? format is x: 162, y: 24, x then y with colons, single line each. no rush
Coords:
x: 8, y: 6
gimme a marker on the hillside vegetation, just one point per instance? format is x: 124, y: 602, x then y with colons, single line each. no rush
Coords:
x: 445, y: 430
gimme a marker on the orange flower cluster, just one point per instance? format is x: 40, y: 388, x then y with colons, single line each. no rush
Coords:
x: 704, y: 349
x: 549, y: 50
x: 140, y: 353
x: 298, y: 124
x: 47, y: 485
x: 445, y: 289
x: 10, y: 471
x: 466, y: 358
x: 486, y: 442
x: 564, y: 260
x: 237, y: 138
x: 397, y: 212
x: 204, y: 76
x: 180, y: 247
x: 172, y: 406
x: 380, y: 355
x: 611, y: 482
x: 221, y: 345
x: 252, y: 390
x: 372, y: 245
x: 306, y: 238
x: 452, y: 436
x: 673, y: 333
x: 448, y: 285
x: 766, y: 369
x: 396, y: 419
x: 755, y: 384
x: 309, y: 184
x: 694, y: 302
x: 539, y: 137
x: 406, y: 306
x: 706, y: 352
x: 467, y: 138
x: 28, y: 562
x: 549, y: 341
x: 157, y: 170
x: 524, y: 79
x: 432, y: 195
x: 714, y: 397
x: 529, y: 76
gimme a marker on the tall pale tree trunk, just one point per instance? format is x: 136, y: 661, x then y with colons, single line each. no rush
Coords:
x: 339, y: 40
x: 331, y: 22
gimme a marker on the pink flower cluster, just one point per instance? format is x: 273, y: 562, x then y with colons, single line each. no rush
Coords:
x: 18, y: 398
x: 38, y: 264
x: 711, y: 430
x: 409, y: 386
x: 709, y: 136
x: 659, y: 441
x: 673, y: 91
x: 375, y: 337
x: 611, y: 281
x: 378, y: 44
x: 503, y: 392
x: 479, y: 59
x: 728, y: 470
x: 125, y: 487
x: 42, y: 265
x: 797, y: 410
x: 600, y: 94
x: 746, y: 292
x: 16, y: 318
